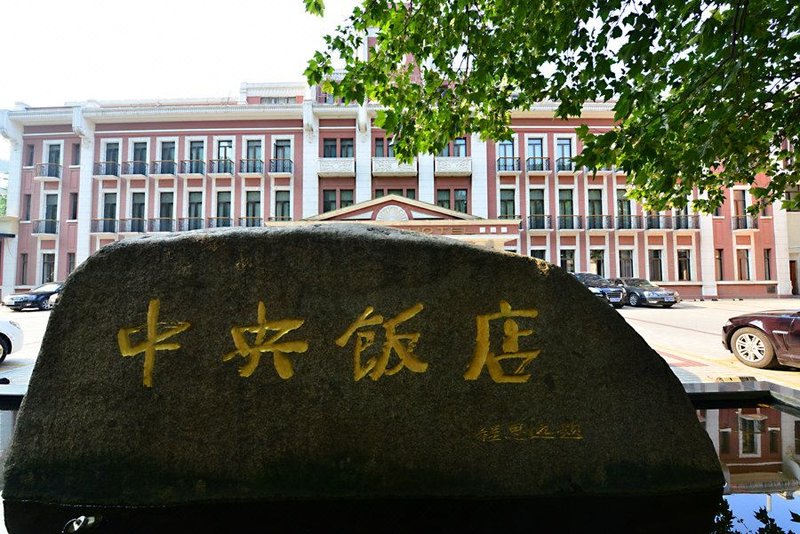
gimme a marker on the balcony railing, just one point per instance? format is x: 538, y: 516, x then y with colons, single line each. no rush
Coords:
x: 133, y: 226
x: 281, y: 218
x: 537, y: 164
x: 629, y: 222
x: 193, y: 166
x: 509, y: 216
x: 220, y: 166
x: 48, y: 170
x: 251, y: 166
x: 191, y: 223
x: 599, y: 222
x: 108, y: 226
x: 686, y: 222
x: 162, y: 224
x: 251, y: 222
x: 744, y: 222
x: 540, y: 222
x: 658, y: 222
x: 220, y: 222
x: 281, y: 165
x: 565, y: 164
x: 106, y: 168
x: 164, y: 167
x: 569, y: 222
x: 45, y: 226
x: 507, y: 164
x: 134, y: 167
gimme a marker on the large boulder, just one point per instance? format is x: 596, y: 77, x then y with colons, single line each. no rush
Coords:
x: 334, y: 362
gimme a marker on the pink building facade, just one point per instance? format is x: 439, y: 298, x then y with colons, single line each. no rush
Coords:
x: 83, y: 176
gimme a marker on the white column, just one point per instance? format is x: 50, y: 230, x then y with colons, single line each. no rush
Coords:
x: 425, y: 172
x: 708, y: 273
x: 480, y: 200
x: 13, y: 132
x: 363, y: 155
x: 310, y: 159
x: 780, y: 229
x: 85, y: 130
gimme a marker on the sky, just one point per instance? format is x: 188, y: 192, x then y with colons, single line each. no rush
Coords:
x: 59, y: 51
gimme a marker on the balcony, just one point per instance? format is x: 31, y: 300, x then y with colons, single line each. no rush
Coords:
x: 569, y: 222
x: 337, y: 167
x: 251, y: 168
x: 191, y: 223
x: 629, y: 222
x: 45, y: 228
x: 192, y: 168
x: 452, y: 166
x: 163, y: 169
x: 537, y: 165
x: 221, y: 168
x: 132, y: 226
x: 599, y: 222
x: 686, y: 222
x: 104, y: 170
x: 392, y: 167
x: 565, y: 165
x: 280, y: 218
x: 220, y: 222
x: 508, y: 166
x: 104, y: 226
x: 251, y: 222
x: 658, y: 222
x: 281, y: 168
x: 134, y: 169
x: 744, y: 222
x: 540, y: 222
x: 161, y: 224
x: 47, y: 172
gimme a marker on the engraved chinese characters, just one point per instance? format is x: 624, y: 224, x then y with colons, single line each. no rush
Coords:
x: 269, y: 339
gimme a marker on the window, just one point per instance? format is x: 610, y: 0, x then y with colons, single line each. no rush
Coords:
x: 345, y: 198
x: 109, y: 212
x: 390, y: 149
x: 379, y: 147
x: 443, y: 198
x: 48, y: 267
x: 597, y: 262
x: 725, y: 441
x: 70, y: 262
x: 165, y: 211
x: 624, y: 219
x: 767, y: 264
x: 408, y: 193
x: 774, y: 440
x: 50, y: 213
x: 53, y: 159
x: 684, y: 264
x: 328, y: 200
x: 507, y: 204
x: 253, y: 152
x: 718, y: 265
x: 76, y: 153
x: 563, y: 154
x: 223, y: 209
x: 346, y: 148
x: 73, y: 206
x: 197, y: 156
x: 168, y: 151
x: 460, y: 203
x: 283, y: 150
x: 536, y: 154
x: 445, y: 151
x: 282, y: 207
x: 568, y: 260
x: 195, y: 213
x: 539, y: 254
x: 749, y: 436
x: 460, y: 147
x: 682, y: 218
x: 277, y: 100
x: 253, y: 208
x: 329, y: 148
x: 565, y: 218
x: 742, y: 264
x: 654, y: 259
x: 29, y: 153
x: 626, y: 263
x: 595, y: 216
x: 505, y: 156
x: 23, y: 269
x: 537, y: 209
x: 26, y: 208
x: 137, y: 212
x: 225, y: 149
x: 139, y: 158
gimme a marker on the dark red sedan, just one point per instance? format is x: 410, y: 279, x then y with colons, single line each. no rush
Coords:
x: 764, y: 339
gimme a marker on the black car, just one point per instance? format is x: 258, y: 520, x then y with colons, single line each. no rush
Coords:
x: 640, y: 291
x: 35, y: 298
x: 602, y: 288
x: 764, y: 339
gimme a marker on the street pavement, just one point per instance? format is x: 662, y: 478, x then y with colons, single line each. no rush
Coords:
x: 688, y: 337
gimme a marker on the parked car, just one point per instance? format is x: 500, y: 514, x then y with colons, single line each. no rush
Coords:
x: 602, y: 288
x: 764, y: 339
x: 35, y: 298
x: 10, y: 338
x: 640, y: 291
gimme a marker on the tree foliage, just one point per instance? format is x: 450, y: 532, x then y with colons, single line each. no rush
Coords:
x: 705, y: 93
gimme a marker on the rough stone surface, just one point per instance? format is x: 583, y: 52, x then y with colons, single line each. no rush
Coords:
x: 600, y: 412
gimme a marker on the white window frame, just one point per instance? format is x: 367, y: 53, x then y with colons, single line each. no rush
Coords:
x: 232, y: 139
x: 576, y: 256
x: 104, y: 143
x: 664, y: 269
x: 692, y: 265
x: 187, y: 142
x: 750, y: 263
x: 243, y: 148
x: 133, y: 140
x: 46, y: 151
x: 634, y: 260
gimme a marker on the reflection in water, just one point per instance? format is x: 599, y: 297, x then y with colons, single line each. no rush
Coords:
x: 758, y: 449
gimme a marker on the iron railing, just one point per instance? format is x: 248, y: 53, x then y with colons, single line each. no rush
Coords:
x: 599, y: 222
x: 565, y: 164
x: 186, y: 224
x: 219, y: 222
x: 133, y: 226
x: 106, y: 168
x: 251, y: 222
x: 108, y: 226
x: 743, y: 222
x: 540, y: 222
x: 50, y: 170
x: 629, y: 222
x: 164, y: 167
x: 537, y: 164
x: 253, y: 166
x: 508, y: 164
x: 280, y: 165
x: 193, y: 166
x: 220, y: 166
x: 134, y: 167
x: 45, y: 226
x: 162, y: 224
x: 569, y: 222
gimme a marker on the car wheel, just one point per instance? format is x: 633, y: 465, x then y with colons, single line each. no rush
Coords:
x: 752, y: 347
x: 5, y: 348
x: 633, y: 300
x: 45, y: 305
